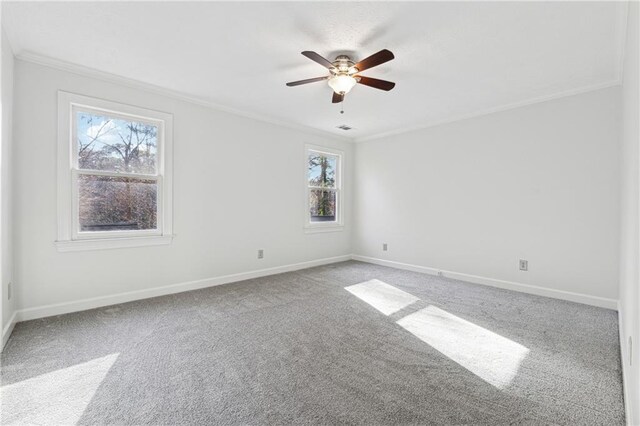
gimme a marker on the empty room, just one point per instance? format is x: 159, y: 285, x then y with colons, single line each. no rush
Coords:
x: 320, y: 213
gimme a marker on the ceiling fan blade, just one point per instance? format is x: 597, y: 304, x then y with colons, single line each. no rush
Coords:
x: 317, y: 58
x: 309, y: 80
x: 374, y: 60
x: 337, y: 98
x: 376, y: 84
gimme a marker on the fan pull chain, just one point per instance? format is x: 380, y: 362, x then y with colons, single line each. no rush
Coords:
x: 342, y: 105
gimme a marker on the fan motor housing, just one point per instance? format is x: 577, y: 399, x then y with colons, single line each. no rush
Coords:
x: 344, y: 65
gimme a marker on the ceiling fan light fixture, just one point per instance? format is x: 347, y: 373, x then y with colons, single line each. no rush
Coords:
x: 342, y: 83
x: 344, y: 73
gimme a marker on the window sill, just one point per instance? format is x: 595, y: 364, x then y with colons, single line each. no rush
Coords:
x: 112, y: 243
x: 316, y: 229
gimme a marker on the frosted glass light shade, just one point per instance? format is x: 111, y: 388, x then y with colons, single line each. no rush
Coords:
x: 342, y: 83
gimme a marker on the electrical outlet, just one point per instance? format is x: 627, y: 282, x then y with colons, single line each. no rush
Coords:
x: 9, y: 291
x: 384, y: 247
x: 260, y: 254
x: 524, y: 265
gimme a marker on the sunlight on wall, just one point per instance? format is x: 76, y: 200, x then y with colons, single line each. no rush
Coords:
x: 382, y: 296
x: 493, y: 358
x: 58, y: 397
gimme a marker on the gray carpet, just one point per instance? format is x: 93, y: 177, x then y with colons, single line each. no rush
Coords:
x: 299, y: 348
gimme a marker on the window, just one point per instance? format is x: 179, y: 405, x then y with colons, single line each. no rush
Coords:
x: 114, y: 175
x: 323, y: 195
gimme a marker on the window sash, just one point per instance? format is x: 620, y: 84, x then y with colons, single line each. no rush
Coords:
x: 336, y: 188
x: 338, y: 180
x: 159, y: 124
x: 337, y: 158
x: 138, y: 176
x: 77, y: 234
x: 312, y: 188
x: 324, y: 188
x: 338, y: 206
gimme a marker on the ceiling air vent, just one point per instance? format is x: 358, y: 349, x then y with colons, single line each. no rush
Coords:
x: 344, y: 127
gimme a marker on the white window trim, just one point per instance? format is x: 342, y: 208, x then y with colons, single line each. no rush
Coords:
x: 317, y: 227
x: 69, y: 239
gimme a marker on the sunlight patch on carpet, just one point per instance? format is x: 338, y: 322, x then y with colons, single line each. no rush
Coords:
x: 493, y: 358
x: 58, y: 397
x: 382, y: 296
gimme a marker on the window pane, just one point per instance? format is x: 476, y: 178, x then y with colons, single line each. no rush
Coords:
x: 322, y: 170
x: 117, y: 204
x: 322, y: 205
x: 115, y: 144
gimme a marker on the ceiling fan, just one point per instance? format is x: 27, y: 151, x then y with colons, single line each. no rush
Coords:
x: 344, y: 74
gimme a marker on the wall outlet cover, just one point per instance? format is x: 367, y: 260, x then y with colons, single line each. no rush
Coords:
x: 524, y: 265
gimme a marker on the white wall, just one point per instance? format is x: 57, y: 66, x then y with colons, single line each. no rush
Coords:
x: 6, y: 246
x: 539, y: 182
x: 238, y: 187
x: 630, y: 231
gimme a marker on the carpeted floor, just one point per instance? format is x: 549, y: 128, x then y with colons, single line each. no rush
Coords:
x: 349, y: 343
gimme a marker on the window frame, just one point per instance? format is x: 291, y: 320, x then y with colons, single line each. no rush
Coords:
x: 338, y: 224
x: 70, y: 238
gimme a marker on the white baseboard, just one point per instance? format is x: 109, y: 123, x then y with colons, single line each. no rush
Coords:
x: 97, y: 302
x: 624, y: 360
x: 509, y: 285
x: 6, y: 332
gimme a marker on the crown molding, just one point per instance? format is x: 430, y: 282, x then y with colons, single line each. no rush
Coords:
x: 623, y: 19
x: 81, y: 70
x: 3, y: 35
x: 136, y: 84
x: 506, y: 107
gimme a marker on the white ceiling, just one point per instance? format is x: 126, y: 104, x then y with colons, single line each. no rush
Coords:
x: 452, y: 59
